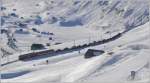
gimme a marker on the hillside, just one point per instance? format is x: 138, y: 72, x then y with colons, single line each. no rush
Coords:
x: 56, y: 24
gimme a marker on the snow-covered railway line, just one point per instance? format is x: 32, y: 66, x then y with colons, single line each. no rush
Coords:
x: 67, y: 47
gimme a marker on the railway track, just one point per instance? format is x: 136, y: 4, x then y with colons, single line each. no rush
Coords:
x: 60, y: 49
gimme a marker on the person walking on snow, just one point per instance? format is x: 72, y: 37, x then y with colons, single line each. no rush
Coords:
x: 46, y: 61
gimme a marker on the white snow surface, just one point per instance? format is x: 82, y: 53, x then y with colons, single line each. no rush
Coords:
x: 131, y: 55
x: 92, y: 22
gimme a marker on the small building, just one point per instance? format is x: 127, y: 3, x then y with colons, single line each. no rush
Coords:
x: 37, y: 46
x: 92, y: 52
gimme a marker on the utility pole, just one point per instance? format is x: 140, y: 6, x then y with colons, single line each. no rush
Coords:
x: 7, y: 58
x: 101, y: 34
x: 74, y: 42
x: 142, y: 20
x: 110, y: 34
x: 104, y: 47
x: 133, y: 21
x: 89, y: 39
x: 101, y: 37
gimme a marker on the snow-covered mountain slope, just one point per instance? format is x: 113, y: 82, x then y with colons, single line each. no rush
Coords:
x: 84, y: 17
x: 130, y: 53
x: 58, y: 23
x: 81, y: 13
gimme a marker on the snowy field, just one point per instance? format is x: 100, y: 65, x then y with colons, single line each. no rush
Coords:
x: 59, y: 24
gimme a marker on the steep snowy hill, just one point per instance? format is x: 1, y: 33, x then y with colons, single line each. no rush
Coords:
x: 86, y: 17
x: 55, y: 24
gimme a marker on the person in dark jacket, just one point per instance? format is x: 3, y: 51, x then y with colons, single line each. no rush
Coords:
x: 46, y: 61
